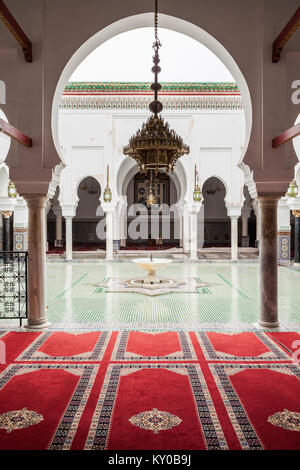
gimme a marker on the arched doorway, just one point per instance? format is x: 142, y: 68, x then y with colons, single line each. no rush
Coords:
x: 216, y: 220
x: 86, y: 218
x: 161, y: 219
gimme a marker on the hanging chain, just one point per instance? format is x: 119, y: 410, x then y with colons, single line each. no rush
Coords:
x: 157, y: 43
x: 156, y: 21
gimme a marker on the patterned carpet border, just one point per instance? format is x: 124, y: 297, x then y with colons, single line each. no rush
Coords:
x: 68, y: 424
x: 97, y: 438
x: 187, y: 352
x: 32, y: 354
x: 243, y: 427
x: 275, y: 352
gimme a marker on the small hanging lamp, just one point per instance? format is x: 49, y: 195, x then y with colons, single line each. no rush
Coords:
x: 12, y: 190
x: 293, y: 189
x: 107, y: 195
x: 197, y: 196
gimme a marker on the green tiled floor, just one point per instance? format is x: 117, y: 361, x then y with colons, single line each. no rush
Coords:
x: 233, y: 298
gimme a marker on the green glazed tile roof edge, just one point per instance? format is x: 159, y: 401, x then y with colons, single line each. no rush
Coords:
x: 145, y: 87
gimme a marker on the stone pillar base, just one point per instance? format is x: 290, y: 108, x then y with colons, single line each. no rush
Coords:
x: 58, y: 243
x: 265, y: 325
x: 37, y: 326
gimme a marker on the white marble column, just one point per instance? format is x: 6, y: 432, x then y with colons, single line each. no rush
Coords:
x: 37, y: 317
x: 256, y: 211
x: 186, y: 231
x: 47, y: 209
x: 109, y: 211
x: 268, y: 262
x: 58, y: 229
x: 193, y: 211
x: 69, y: 237
x: 234, y: 237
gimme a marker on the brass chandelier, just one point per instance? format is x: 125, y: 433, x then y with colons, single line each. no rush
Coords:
x: 155, y: 146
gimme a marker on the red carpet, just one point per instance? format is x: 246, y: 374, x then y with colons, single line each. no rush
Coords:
x: 158, y: 391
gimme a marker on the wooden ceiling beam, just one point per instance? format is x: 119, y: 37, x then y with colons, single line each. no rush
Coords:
x: 285, y: 35
x: 286, y: 136
x: 16, y: 31
x: 14, y: 133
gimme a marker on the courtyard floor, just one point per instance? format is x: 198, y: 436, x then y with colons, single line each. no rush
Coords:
x: 230, y: 301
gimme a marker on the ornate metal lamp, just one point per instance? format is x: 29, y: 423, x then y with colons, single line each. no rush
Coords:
x: 107, y: 195
x: 155, y: 146
x: 197, y: 196
x: 12, y: 190
x: 151, y: 199
x: 293, y: 189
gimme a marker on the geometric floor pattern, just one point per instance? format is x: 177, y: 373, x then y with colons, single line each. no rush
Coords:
x: 137, y: 390
x: 231, y: 301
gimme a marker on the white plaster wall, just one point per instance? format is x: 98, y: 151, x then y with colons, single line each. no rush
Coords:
x: 95, y: 138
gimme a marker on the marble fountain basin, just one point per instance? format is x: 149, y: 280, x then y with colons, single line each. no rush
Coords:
x: 151, y: 265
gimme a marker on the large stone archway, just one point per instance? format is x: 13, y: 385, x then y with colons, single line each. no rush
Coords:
x: 168, y: 22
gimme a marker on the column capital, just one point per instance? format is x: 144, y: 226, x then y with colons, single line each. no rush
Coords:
x: 108, y: 207
x: 233, y: 209
x: 68, y: 210
x: 6, y: 214
x: 56, y: 209
x: 294, y: 203
x: 194, y: 208
x: 36, y: 201
x: 268, y: 200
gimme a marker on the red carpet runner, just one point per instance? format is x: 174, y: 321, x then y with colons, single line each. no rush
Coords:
x: 142, y: 390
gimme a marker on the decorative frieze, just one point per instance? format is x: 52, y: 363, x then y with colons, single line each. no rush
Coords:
x: 128, y: 95
x: 181, y: 103
x: 144, y: 87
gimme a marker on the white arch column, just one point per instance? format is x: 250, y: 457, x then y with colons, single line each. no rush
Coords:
x: 193, y: 214
x: 234, y: 212
x: 68, y: 213
x: 255, y: 206
x: 47, y: 209
x: 109, y: 210
x: 186, y: 230
x: 58, y: 224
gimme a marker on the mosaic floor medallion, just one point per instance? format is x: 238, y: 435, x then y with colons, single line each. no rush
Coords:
x: 19, y: 419
x: 155, y: 420
x: 159, y: 287
x: 286, y: 419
